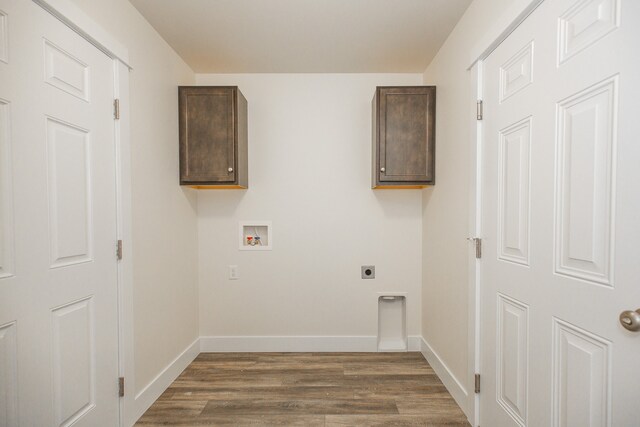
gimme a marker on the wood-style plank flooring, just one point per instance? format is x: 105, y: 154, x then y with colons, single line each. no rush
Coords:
x: 306, y: 389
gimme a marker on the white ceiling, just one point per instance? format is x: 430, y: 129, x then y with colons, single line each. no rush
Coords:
x: 304, y: 36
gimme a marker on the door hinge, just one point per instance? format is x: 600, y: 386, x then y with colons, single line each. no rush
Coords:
x: 116, y: 109
x: 479, y: 109
x: 477, y: 384
x: 121, y: 386
x: 119, y: 250
x: 478, y: 245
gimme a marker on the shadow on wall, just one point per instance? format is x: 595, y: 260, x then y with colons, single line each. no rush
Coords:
x: 192, y: 197
x: 227, y: 202
x: 396, y: 203
x: 426, y: 196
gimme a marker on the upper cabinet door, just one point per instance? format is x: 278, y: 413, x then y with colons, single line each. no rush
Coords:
x: 213, y: 137
x: 404, y: 136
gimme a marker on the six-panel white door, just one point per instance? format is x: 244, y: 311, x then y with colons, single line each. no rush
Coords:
x: 561, y: 198
x: 58, y: 283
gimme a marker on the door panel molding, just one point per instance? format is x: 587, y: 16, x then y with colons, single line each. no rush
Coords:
x: 4, y: 37
x: 6, y: 194
x: 513, y: 358
x: 517, y: 73
x: 584, y: 24
x: 9, y: 375
x: 514, y: 194
x: 585, y: 183
x: 74, y: 356
x: 70, y: 195
x: 581, y: 377
x: 66, y: 72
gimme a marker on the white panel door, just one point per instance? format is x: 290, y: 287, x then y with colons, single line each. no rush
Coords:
x: 58, y: 282
x: 561, y: 202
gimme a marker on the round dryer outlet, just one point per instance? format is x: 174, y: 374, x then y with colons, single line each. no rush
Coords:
x: 368, y: 271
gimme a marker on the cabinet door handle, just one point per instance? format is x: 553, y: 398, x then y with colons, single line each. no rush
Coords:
x: 230, y: 170
x: 382, y: 169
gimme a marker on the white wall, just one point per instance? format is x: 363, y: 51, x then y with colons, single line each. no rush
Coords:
x: 164, y: 215
x: 446, y: 206
x: 309, y: 173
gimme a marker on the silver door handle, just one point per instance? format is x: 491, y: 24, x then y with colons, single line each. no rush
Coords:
x: 230, y: 170
x: 630, y: 320
x: 382, y: 170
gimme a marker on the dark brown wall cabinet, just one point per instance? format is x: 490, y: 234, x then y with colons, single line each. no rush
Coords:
x: 404, y: 137
x: 213, y: 137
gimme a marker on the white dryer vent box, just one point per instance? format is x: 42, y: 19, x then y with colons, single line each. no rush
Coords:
x: 392, y: 323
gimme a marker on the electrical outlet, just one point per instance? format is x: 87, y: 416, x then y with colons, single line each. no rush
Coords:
x: 368, y: 271
x: 234, y: 274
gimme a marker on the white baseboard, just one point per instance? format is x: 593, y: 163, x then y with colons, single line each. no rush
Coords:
x: 455, y: 387
x: 364, y: 343
x: 145, y: 398
x: 415, y: 342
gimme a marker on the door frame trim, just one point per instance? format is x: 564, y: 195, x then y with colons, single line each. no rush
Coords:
x: 475, y: 230
x: 513, y: 24
x: 74, y: 18
x: 125, y: 233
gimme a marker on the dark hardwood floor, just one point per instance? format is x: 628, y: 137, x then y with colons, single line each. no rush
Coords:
x: 306, y: 389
